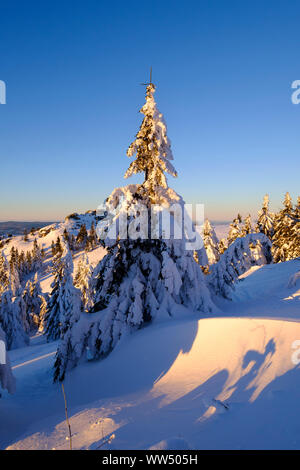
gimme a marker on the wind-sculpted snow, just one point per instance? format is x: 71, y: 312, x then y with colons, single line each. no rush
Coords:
x: 252, y: 250
x: 215, y: 383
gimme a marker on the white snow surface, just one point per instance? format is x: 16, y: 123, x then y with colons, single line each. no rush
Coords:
x: 222, y: 381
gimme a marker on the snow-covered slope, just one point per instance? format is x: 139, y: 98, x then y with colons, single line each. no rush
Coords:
x: 46, y: 235
x: 210, y: 383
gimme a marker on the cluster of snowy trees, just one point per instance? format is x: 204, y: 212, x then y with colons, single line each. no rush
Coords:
x: 281, y: 228
x: 26, y: 263
x: 83, y: 241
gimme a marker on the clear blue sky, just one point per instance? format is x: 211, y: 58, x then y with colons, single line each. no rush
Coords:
x: 73, y: 70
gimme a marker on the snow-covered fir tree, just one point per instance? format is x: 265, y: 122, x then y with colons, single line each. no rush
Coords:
x: 283, y: 231
x: 265, y: 221
x: 12, y: 320
x: 244, y: 252
x: 93, y: 239
x: 247, y: 226
x: 234, y: 230
x: 43, y: 310
x: 70, y: 347
x: 32, y: 296
x: 82, y: 237
x: 294, y: 249
x: 4, y: 273
x: 223, y: 245
x: 36, y: 256
x: 52, y: 320
x: 7, y: 380
x: 14, y: 279
x: 211, y: 244
x: 63, y: 297
x: 141, y: 278
x: 152, y: 149
x: 82, y: 281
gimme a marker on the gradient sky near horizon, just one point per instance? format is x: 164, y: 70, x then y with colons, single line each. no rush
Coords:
x: 73, y: 71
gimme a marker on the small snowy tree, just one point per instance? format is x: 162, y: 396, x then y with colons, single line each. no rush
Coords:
x: 222, y: 246
x: 63, y: 298
x: 32, y: 296
x: 70, y: 346
x: 247, y: 226
x: 4, y: 273
x: 265, y: 221
x: 234, y: 230
x: 283, y: 231
x: 12, y: 320
x: 82, y: 281
x: 36, y: 256
x: 295, y: 243
x: 210, y: 241
x: 44, y: 302
x: 244, y: 252
x: 82, y: 236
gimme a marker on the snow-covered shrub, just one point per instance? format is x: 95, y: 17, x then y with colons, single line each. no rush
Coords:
x: 7, y: 380
x: 13, y: 320
x: 253, y: 249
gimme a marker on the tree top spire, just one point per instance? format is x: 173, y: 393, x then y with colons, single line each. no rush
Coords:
x: 151, y: 147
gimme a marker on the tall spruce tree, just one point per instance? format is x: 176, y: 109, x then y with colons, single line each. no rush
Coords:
x: 140, y: 279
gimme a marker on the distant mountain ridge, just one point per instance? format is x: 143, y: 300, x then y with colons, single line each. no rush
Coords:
x: 17, y: 228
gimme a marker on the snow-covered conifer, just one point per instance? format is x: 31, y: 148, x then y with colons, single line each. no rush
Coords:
x: 222, y: 245
x: 265, y: 221
x: 12, y: 320
x: 283, y: 231
x: 4, y: 273
x: 82, y: 281
x: 234, y: 230
x: 36, y: 256
x: 247, y: 226
x: 210, y: 241
x: 63, y: 297
x: 244, y: 252
x: 152, y: 148
x: 93, y: 239
x: 32, y: 296
x: 82, y: 236
x: 70, y: 347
